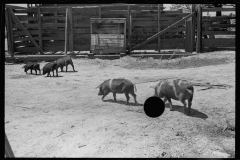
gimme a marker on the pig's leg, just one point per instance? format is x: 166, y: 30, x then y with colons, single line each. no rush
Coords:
x: 127, y: 96
x: 114, y: 96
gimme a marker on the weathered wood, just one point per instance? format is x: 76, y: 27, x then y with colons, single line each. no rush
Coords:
x: 26, y: 18
x: 100, y: 11
x: 218, y: 18
x: 39, y: 29
x: 141, y: 30
x: 218, y: 9
x: 188, y: 44
x: 139, y: 8
x: 52, y: 10
x: 9, y: 33
x: 26, y: 32
x: 66, y: 32
x: 219, y: 42
x: 129, y: 31
x: 166, y: 29
x: 199, y: 29
x: 154, y: 23
x: 81, y: 48
x: 70, y: 28
x: 107, y: 8
x: 159, y: 27
x: 52, y: 18
x: 193, y: 28
x: 218, y: 25
x: 29, y: 10
x: 218, y: 32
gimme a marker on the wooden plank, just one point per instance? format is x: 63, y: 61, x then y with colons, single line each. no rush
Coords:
x: 218, y: 9
x: 70, y: 28
x: 193, y: 28
x: 27, y: 49
x: 159, y: 27
x: 219, y: 42
x: 81, y: 48
x: 53, y: 9
x: 51, y: 18
x: 188, y: 44
x: 166, y: 29
x: 140, y: 30
x: 26, y: 18
x: 29, y: 10
x: 100, y: 11
x: 218, y: 18
x: 199, y: 29
x: 218, y: 25
x: 9, y: 33
x: 39, y: 29
x: 218, y: 32
x: 139, y: 8
x: 154, y: 23
x: 37, y: 38
x: 107, y: 8
x: 129, y: 30
x: 164, y: 46
x: 66, y: 33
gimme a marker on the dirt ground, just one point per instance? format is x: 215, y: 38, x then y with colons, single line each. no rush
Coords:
x: 64, y: 117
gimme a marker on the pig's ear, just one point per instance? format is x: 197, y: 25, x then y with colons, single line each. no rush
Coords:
x: 98, y: 86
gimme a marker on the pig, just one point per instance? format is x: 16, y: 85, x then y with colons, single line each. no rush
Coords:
x: 118, y: 85
x: 64, y: 61
x: 51, y: 66
x: 176, y: 89
x: 32, y: 66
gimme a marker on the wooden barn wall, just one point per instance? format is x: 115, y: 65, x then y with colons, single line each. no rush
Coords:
x: 52, y: 27
x: 218, y: 32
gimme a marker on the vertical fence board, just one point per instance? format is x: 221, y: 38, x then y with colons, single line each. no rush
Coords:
x: 129, y: 30
x: 199, y: 29
x: 70, y: 28
x: 40, y: 29
x: 66, y: 33
x: 159, y: 27
x: 100, y: 11
x: 10, y: 33
x: 188, y: 36
x: 193, y: 28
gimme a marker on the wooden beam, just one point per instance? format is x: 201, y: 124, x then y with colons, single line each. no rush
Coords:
x: 218, y: 9
x: 16, y: 20
x: 129, y: 30
x: 40, y: 29
x: 70, y: 28
x: 164, y: 30
x: 199, y: 29
x: 159, y: 27
x: 188, y: 36
x: 193, y: 28
x: 100, y: 11
x: 66, y: 32
x: 9, y: 35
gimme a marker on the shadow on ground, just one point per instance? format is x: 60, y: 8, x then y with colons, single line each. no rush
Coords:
x: 194, y: 112
x: 53, y: 77
x: 122, y: 102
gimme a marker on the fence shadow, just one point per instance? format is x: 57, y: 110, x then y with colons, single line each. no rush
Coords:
x: 53, y: 77
x: 122, y: 102
x: 194, y: 112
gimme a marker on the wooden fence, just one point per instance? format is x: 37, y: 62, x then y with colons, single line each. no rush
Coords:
x: 42, y: 29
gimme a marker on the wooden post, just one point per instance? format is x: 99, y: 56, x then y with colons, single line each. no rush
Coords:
x: 66, y: 31
x: 193, y: 29
x: 129, y: 30
x: 70, y: 28
x: 40, y: 29
x: 188, y: 36
x: 100, y: 11
x: 55, y: 14
x: 10, y: 33
x: 199, y: 29
x: 159, y: 27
